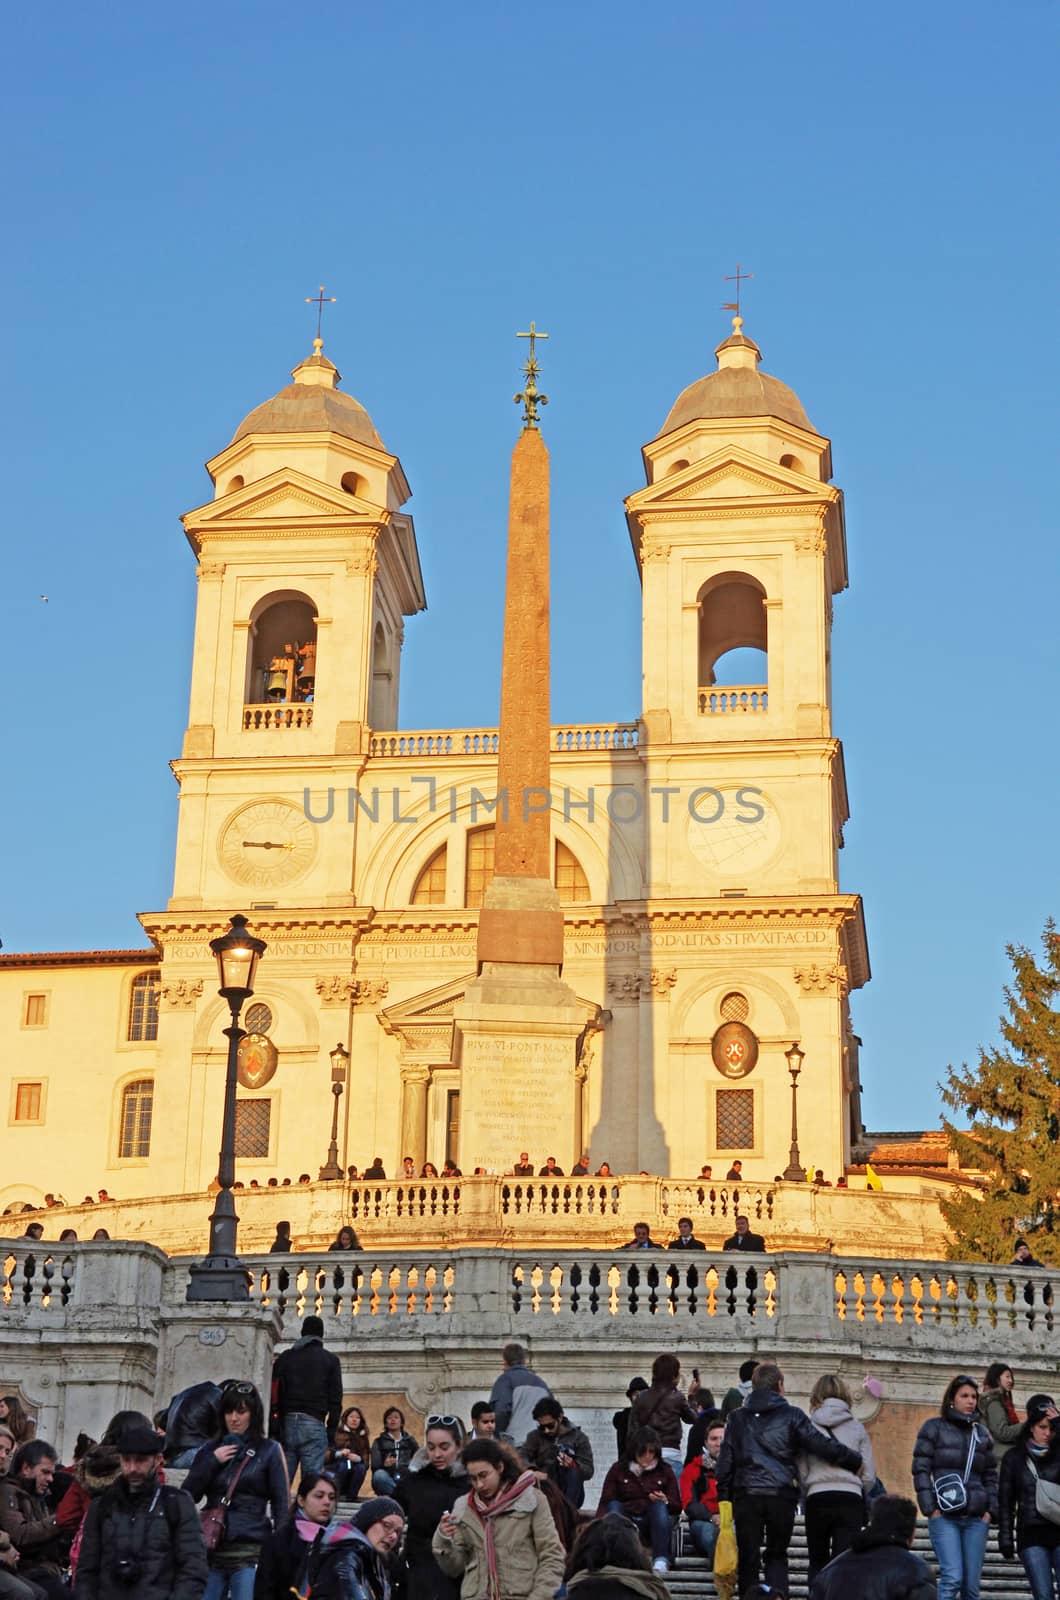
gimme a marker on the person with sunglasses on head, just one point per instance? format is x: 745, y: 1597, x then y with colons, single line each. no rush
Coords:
x: 955, y: 1478
x: 290, y: 1554
x: 500, y: 1539
x: 247, y: 1473
x: 1023, y: 1522
x: 434, y: 1482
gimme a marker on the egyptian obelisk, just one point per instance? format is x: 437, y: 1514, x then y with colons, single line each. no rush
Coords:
x: 519, y: 1023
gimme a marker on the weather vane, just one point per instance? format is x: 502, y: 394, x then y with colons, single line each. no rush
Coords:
x: 320, y: 301
x: 737, y: 278
x: 530, y: 399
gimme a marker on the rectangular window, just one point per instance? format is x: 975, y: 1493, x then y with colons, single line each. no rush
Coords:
x: 137, y: 1106
x: 253, y: 1125
x: 734, y: 1113
x: 452, y: 1125
x: 36, y: 1012
x: 29, y: 1102
x: 478, y: 869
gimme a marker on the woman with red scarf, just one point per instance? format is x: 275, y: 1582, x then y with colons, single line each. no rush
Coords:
x: 500, y: 1539
x: 997, y: 1410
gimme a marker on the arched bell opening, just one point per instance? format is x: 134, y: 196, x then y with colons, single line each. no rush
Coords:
x: 382, y: 711
x: 733, y: 637
x: 283, y: 650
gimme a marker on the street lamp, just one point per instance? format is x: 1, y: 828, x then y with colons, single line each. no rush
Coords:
x: 222, y: 1276
x: 340, y: 1060
x: 794, y: 1172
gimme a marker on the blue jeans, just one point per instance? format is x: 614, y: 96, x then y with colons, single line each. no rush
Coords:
x: 571, y: 1483
x: 1042, y: 1566
x: 654, y: 1528
x: 236, y: 1585
x: 305, y: 1442
x: 959, y: 1544
x: 348, y: 1476
x: 383, y: 1482
x: 186, y: 1457
x: 704, y: 1536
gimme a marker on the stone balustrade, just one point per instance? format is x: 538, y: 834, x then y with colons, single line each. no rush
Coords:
x: 258, y: 719
x: 577, y: 738
x: 753, y: 697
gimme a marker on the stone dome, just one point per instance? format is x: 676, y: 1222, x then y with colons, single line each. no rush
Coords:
x: 737, y: 389
x: 312, y: 404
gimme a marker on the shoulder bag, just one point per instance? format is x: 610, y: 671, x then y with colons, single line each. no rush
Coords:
x: 951, y: 1488
x: 1046, y: 1496
x: 214, y: 1519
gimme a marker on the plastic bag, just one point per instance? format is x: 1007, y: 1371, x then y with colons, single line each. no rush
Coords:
x: 725, y: 1554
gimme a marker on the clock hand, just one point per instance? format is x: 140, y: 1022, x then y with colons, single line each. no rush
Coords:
x: 268, y: 844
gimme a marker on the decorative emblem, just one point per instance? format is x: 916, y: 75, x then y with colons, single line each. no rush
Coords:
x: 258, y: 1058
x: 734, y: 1050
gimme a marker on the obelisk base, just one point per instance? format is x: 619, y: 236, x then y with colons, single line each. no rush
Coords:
x: 517, y: 1032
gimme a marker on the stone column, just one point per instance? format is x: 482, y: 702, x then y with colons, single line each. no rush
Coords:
x: 415, y: 1082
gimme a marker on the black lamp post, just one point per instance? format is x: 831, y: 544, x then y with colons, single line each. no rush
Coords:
x: 794, y: 1172
x: 340, y: 1060
x: 222, y: 1276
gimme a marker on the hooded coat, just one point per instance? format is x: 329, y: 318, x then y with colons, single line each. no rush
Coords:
x: 817, y: 1476
x: 876, y: 1567
x: 425, y: 1493
x: 529, y: 1555
x: 350, y: 1567
x: 763, y: 1441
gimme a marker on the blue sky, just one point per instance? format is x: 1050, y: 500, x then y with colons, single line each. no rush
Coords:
x: 179, y: 178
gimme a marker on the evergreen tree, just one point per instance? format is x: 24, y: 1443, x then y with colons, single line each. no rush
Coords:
x: 1013, y: 1099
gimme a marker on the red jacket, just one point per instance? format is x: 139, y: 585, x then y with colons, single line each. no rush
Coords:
x: 707, y: 1497
x: 632, y: 1489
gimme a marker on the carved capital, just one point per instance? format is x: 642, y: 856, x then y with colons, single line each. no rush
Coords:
x: 662, y: 982
x: 210, y: 570
x: 815, y: 543
x: 370, y: 992
x: 817, y: 980
x: 654, y: 550
x: 626, y: 986
x: 336, y: 990
x: 365, y: 562
x: 180, y: 994
x: 412, y: 1072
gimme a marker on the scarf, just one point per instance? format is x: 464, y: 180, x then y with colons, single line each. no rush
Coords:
x: 487, y: 1512
x: 1010, y: 1410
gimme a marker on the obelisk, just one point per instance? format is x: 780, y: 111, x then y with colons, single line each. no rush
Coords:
x: 519, y: 1023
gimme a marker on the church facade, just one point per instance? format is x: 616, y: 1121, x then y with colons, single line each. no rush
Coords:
x: 694, y: 849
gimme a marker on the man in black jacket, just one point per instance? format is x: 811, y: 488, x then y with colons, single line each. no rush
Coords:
x: 141, y: 1538
x: 307, y: 1398
x: 757, y: 1472
x: 744, y: 1239
x: 880, y: 1564
x: 686, y: 1239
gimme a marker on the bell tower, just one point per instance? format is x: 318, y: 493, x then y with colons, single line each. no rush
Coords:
x: 740, y: 541
x: 307, y: 565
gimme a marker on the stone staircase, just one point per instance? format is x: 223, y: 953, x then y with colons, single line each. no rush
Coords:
x: 1002, y: 1580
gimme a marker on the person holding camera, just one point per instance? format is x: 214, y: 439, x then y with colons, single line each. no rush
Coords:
x: 141, y: 1539
x: 558, y: 1450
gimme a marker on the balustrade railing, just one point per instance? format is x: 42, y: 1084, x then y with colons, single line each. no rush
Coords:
x: 34, y: 1278
x: 570, y: 739
x: 944, y: 1297
x: 353, y: 1288
x: 569, y: 1197
x: 704, y: 1200
x: 590, y: 1287
x: 257, y: 719
x: 739, y: 698
x: 424, y: 1198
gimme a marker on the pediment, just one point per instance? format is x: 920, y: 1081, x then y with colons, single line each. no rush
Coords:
x: 283, y: 495
x: 436, y: 1007
x: 730, y: 474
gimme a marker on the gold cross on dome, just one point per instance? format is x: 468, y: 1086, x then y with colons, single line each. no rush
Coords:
x: 529, y: 399
x: 737, y: 278
x: 320, y: 301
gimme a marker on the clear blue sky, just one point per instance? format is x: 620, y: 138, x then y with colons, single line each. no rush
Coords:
x: 179, y: 178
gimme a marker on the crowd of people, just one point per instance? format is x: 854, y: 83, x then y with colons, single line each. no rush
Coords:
x: 498, y: 1507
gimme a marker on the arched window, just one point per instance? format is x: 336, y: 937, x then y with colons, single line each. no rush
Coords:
x: 137, y: 1105
x: 478, y: 869
x: 283, y: 651
x: 382, y: 703
x: 429, y: 889
x: 732, y: 625
x: 571, y: 883
x: 143, y: 1007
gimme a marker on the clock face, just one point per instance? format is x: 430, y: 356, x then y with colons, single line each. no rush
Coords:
x: 734, y: 829
x: 267, y: 843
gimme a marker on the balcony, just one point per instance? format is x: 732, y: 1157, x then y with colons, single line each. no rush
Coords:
x: 735, y: 699
x: 261, y: 718
x: 574, y: 738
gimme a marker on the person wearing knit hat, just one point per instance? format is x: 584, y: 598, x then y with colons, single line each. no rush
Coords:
x: 1029, y: 1498
x: 355, y: 1556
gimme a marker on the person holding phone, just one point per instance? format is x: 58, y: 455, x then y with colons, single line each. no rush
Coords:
x: 392, y: 1451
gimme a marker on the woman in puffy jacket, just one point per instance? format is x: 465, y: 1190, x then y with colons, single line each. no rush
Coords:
x: 392, y: 1451
x: 1021, y: 1527
x: 288, y: 1556
x: 835, y: 1498
x: 432, y: 1485
x: 956, y: 1446
x: 262, y: 1488
x: 356, y: 1560
x: 349, y: 1455
x: 997, y: 1409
